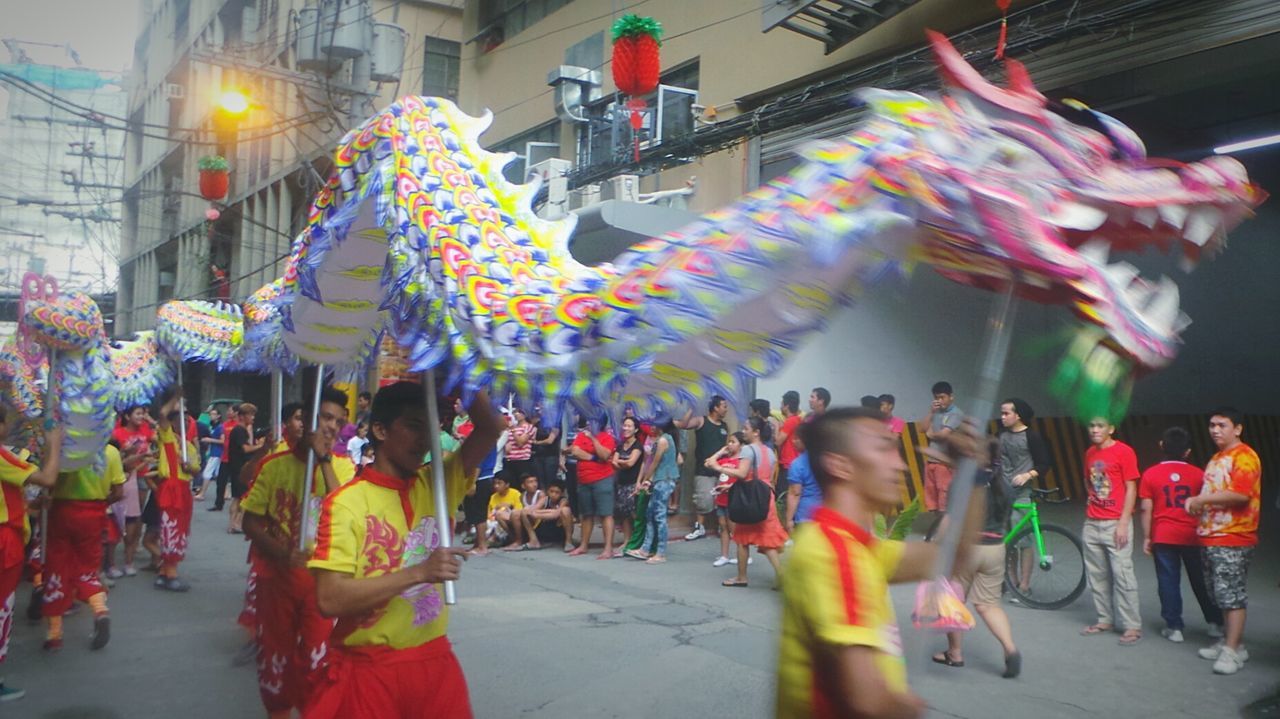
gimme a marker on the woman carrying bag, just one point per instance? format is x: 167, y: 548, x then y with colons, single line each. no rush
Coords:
x: 748, y: 500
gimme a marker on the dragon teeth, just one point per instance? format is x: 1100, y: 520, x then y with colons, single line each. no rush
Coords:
x: 1161, y: 310
x: 1146, y: 216
x: 1202, y: 225
x: 1174, y: 215
x: 1096, y: 251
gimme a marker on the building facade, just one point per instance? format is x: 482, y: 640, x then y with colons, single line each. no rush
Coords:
x: 188, y: 53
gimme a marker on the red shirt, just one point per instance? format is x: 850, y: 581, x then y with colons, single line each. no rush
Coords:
x: 227, y: 426
x: 726, y: 480
x: 787, y: 453
x: 592, y: 470
x: 1168, y: 485
x: 1106, y: 471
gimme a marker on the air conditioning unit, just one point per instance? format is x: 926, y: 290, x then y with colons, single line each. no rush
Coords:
x: 623, y: 187
x: 174, y: 91
x: 584, y: 197
x: 548, y: 169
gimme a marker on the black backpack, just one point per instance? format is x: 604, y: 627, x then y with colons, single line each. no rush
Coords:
x: 749, y: 498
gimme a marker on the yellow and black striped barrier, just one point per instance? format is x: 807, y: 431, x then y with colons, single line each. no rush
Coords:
x: 1068, y: 439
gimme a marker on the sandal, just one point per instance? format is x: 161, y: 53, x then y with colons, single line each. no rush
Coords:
x: 656, y: 559
x: 636, y: 554
x: 1130, y: 637
x: 732, y: 583
x: 515, y: 548
x: 945, y: 658
x: 1096, y: 629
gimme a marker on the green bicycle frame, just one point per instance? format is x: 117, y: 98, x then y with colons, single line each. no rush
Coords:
x: 1033, y: 516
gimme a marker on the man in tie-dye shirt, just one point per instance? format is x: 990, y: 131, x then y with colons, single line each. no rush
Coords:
x: 1229, y: 504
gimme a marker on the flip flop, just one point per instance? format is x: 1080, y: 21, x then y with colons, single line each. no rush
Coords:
x: 636, y: 554
x: 945, y: 658
x: 732, y: 583
x: 514, y: 548
x: 1128, y: 640
x: 1012, y: 666
x: 655, y: 559
x: 1095, y: 629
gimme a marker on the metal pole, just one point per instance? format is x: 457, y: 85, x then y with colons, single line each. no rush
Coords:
x: 444, y: 516
x: 309, y: 481
x: 995, y: 352
x: 277, y: 403
x: 182, y: 415
x: 50, y: 397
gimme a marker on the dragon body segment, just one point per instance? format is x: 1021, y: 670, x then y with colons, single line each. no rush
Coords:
x: 418, y: 235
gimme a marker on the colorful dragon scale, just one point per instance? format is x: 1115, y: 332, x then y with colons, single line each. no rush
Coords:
x: 417, y: 233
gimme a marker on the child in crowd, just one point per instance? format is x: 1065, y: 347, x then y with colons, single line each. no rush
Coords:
x: 727, y: 456
x: 502, y: 504
x: 530, y: 497
x: 546, y: 519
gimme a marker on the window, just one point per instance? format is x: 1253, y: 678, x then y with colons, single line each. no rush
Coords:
x: 440, y: 65
x: 538, y: 144
x: 501, y: 20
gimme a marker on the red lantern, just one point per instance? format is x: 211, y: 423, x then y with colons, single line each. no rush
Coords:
x: 636, y: 62
x: 214, y: 177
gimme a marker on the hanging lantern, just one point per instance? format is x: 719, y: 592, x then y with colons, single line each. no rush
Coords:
x: 636, y: 63
x: 214, y: 180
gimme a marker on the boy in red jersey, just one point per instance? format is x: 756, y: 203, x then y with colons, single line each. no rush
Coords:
x: 1171, y: 532
x: 1112, y: 480
x: 377, y: 565
x: 1228, y: 505
x: 292, y: 635
x: 15, y: 529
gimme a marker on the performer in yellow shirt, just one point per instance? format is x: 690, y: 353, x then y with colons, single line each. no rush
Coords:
x: 15, y: 529
x: 378, y: 562
x: 77, y: 518
x: 840, y: 652
x: 292, y: 635
x: 173, y: 495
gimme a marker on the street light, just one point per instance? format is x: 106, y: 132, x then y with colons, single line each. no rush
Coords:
x: 233, y: 102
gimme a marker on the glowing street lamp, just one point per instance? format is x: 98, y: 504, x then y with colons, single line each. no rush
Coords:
x: 233, y: 102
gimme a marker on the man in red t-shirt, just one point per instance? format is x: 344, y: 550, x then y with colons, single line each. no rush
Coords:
x: 1228, y: 506
x: 1112, y: 477
x: 1171, y: 532
x: 595, y: 486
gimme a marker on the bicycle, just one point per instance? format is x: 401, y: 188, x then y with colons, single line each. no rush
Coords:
x: 1048, y: 558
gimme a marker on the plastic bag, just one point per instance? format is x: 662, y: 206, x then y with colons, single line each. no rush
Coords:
x: 940, y: 607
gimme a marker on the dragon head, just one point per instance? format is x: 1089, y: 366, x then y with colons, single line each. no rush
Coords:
x: 1013, y: 187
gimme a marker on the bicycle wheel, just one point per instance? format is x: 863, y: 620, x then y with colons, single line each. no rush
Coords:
x: 1056, y: 578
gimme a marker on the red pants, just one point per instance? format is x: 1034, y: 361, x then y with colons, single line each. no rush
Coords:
x: 424, y: 682
x: 292, y: 637
x: 75, y: 554
x: 937, y: 484
x: 10, y: 575
x: 249, y: 614
x: 173, y: 499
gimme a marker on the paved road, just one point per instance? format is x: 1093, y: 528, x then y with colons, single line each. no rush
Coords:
x: 543, y: 635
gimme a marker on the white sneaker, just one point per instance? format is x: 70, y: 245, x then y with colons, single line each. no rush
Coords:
x: 1229, y: 661
x: 130, y: 571
x: 1212, y: 653
x: 1215, y: 631
x: 750, y: 561
x: 698, y: 532
x: 1173, y: 635
x: 721, y: 561
x: 114, y: 573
